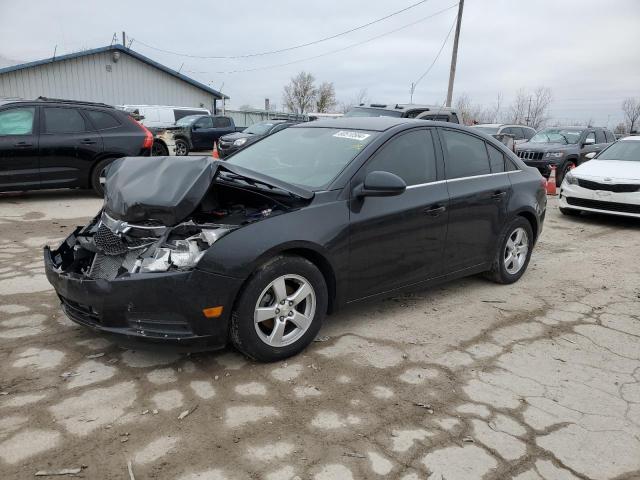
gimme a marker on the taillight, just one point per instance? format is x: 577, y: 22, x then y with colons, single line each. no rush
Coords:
x: 148, y: 136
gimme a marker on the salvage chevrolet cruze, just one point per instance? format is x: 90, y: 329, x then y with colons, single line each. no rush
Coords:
x: 258, y: 249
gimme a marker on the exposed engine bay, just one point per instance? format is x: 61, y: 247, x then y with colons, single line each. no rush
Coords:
x: 176, y: 218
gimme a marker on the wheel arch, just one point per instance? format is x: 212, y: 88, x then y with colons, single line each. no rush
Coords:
x: 532, y: 219
x: 98, y: 159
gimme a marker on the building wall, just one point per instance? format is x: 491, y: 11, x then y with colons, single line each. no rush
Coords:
x: 98, y: 78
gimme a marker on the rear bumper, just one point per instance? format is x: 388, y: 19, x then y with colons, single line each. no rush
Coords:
x: 598, y: 201
x: 156, y: 307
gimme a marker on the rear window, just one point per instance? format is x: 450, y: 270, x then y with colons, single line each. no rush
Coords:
x: 63, y: 120
x: 102, y: 120
x: 466, y: 155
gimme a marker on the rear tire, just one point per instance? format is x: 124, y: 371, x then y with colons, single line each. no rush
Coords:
x: 182, y: 148
x: 270, y: 322
x: 515, y: 245
x: 98, y: 176
x: 159, y: 150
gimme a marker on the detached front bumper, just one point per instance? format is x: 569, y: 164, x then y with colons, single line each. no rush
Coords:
x: 599, y: 201
x: 160, y: 307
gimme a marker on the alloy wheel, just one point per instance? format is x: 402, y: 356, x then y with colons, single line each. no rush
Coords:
x: 285, y: 310
x: 516, y: 250
x: 181, y: 149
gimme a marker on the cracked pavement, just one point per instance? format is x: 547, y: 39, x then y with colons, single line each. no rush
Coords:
x: 536, y: 380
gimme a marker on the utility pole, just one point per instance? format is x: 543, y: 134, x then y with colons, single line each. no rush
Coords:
x: 124, y: 39
x: 454, y: 55
x: 529, y: 112
x: 413, y: 89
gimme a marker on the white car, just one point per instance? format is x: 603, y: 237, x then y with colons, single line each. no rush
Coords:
x: 609, y: 183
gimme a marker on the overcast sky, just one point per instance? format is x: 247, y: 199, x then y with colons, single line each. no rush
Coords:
x: 586, y: 51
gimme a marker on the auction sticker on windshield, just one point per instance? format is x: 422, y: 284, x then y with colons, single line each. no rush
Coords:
x: 351, y: 135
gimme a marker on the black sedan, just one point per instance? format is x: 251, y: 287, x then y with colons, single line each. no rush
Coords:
x: 233, y: 142
x: 258, y: 249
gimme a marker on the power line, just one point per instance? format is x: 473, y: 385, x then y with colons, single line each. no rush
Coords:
x: 414, y: 84
x: 287, y: 49
x: 266, y: 67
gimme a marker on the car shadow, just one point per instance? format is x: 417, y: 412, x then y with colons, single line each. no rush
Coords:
x: 601, y: 219
x: 44, y: 195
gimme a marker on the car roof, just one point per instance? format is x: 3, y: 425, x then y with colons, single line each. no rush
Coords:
x: 399, y: 107
x: 376, y: 124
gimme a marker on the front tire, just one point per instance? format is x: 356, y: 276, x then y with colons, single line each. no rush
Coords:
x: 280, y: 310
x: 514, y: 252
x: 182, y: 148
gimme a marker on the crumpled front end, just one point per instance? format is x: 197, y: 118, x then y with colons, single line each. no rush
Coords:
x: 140, y: 282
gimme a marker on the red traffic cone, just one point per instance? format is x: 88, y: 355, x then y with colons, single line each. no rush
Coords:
x: 215, y: 153
x: 551, y: 183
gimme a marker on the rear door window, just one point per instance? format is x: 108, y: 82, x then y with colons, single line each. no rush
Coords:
x: 63, y: 120
x: 496, y: 159
x: 600, y: 138
x: 528, y: 132
x: 466, y: 155
x: 102, y: 120
x: 17, y: 121
x: 221, y: 122
x: 410, y: 155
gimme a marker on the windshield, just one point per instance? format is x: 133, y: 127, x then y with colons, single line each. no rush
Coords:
x: 488, y: 130
x: 188, y: 120
x: 372, y: 112
x: 557, y: 135
x: 259, y: 128
x: 627, y: 150
x: 308, y: 157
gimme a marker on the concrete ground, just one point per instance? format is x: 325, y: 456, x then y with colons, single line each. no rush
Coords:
x: 537, y: 380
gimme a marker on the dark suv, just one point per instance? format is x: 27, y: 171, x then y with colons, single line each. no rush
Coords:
x: 564, y: 147
x: 233, y: 142
x: 52, y: 143
x: 405, y: 110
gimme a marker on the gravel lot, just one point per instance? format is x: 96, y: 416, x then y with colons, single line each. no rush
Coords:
x: 540, y: 379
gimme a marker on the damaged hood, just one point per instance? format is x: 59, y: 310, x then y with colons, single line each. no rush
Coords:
x: 167, y: 190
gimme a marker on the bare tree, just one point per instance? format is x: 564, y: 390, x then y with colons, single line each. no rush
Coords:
x: 361, y: 97
x: 631, y: 109
x: 325, y: 98
x: 493, y: 114
x: 471, y: 113
x: 620, y: 129
x: 518, y: 108
x: 300, y: 94
x: 538, y: 113
x: 531, y: 109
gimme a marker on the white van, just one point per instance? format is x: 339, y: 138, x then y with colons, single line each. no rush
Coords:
x: 162, y: 115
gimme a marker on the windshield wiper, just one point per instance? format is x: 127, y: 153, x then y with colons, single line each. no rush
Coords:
x: 255, y: 183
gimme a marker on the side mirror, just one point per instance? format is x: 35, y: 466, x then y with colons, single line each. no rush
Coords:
x: 195, y: 127
x: 590, y: 155
x: 380, y: 184
x: 589, y: 141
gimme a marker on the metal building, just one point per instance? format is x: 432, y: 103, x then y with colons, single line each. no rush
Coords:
x: 114, y: 75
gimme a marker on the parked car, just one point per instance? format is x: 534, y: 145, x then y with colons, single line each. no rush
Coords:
x: 53, y: 143
x: 520, y: 133
x: 233, y: 142
x: 610, y: 183
x: 408, y: 110
x: 159, y: 116
x: 257, y: 249
x: 562, y: 147
x: 200, y: 132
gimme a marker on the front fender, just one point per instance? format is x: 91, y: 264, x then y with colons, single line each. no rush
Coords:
x: 322, y: 229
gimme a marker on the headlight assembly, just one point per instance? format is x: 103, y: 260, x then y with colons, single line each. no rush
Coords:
x: 570, y: 179
x: 180, y: 253
x: 554, y: 155
x: 240, y: 142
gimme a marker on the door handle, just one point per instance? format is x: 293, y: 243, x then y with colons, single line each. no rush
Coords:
x: 497, y: 195
x: 87, y: 141
x: 22, y: 145
x: 435, y: 210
